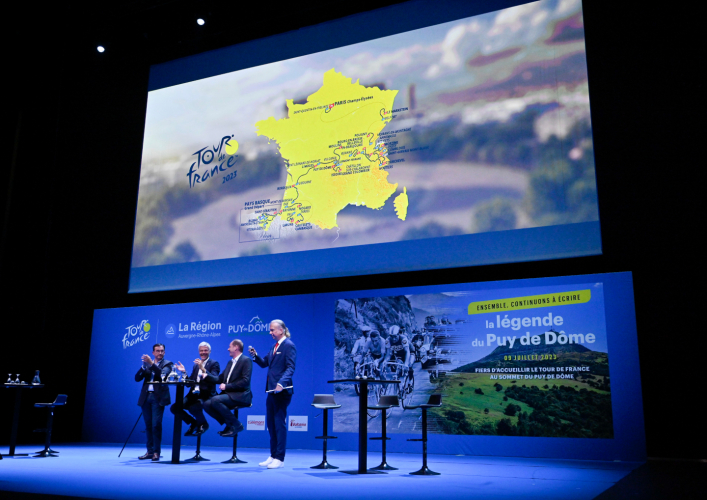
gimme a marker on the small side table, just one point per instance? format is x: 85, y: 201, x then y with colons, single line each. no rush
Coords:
x: 16, y: 415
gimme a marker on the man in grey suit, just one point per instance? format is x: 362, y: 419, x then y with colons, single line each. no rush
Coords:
x: 193, y: 406
x: 153, y: 398
x: 234, y: 383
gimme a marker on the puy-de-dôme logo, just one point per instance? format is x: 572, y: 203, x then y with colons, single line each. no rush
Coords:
x: 255, y: 325
x: 136, y: 333
x: 214, y: 159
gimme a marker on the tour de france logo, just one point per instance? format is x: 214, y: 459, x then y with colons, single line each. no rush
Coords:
x: 212, y: 161
x: 135, y: 334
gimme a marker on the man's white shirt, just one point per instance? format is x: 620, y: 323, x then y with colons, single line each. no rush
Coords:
x: 233, y: 365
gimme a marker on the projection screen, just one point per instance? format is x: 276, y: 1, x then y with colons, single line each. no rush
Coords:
x: 304, y: 155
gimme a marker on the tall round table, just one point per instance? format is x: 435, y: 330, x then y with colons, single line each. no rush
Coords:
x: 362, y: 424
x: 179, y: 403
x: 16, y: 415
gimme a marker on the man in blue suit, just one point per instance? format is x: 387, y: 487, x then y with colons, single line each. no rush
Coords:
x: 280, y: 361
x: 153, y: 398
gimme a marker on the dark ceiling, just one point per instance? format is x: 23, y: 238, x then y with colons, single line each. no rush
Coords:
x: 161, y: 30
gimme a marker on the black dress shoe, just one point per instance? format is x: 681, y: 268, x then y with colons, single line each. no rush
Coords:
x: 229, y: 431
x: 192, y: 428
x: 202, y: 429
x: 156, y: 457
x: 239, y: 428
x: 145, y: 456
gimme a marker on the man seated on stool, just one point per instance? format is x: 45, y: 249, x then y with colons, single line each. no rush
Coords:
x: 234, y: 383
x: 199, y: 393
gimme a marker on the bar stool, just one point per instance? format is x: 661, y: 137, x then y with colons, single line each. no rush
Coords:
x: 435, y: 401
x: 384, y: 403
x: 198, y: 457
x: 325, y: 402
x: 234, y: 459
x: 59, y: 401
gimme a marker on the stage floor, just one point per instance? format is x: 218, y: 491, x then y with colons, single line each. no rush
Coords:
x: 95, y: 471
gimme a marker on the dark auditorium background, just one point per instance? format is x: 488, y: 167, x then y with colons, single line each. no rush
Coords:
x: 73, y: 122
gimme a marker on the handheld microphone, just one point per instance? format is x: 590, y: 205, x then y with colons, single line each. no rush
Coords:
x: 288, y: 387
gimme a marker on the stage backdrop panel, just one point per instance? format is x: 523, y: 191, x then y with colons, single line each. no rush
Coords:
x: 537, y: 368
x: 529, y: 361
x: 121, y: 336
x: 428, y: 135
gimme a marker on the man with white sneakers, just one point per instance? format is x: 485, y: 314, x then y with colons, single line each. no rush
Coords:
x: 280, y: 362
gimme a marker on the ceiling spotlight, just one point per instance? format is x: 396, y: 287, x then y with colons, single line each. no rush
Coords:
x: 200, y: 22
x: 100, y: 49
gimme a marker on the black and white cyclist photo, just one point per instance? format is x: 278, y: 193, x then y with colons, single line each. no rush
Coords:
x: 384, y: 338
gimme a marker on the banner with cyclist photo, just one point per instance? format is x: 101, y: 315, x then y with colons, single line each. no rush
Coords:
x: 529, y: 361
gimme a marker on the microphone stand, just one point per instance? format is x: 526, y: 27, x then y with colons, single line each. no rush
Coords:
x: 131, y: 433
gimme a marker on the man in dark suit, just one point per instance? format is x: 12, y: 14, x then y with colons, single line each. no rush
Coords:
x: 280, y: 361
x: 199, y: 393
x: 153, y: 398
x: 234, y: 383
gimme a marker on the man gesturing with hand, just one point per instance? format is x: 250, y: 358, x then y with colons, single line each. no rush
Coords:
x: 204, y: 389
x: 280, y: 362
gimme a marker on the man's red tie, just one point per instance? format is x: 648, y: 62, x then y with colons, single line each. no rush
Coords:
x: 275, y: 350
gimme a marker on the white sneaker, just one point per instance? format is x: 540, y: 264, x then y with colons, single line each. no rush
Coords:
x: 267, y: 462
x: 275, y: 464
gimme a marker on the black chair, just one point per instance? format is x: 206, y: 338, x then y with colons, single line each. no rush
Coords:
x: 435, y: 401
x: 325, y: 402
x: 234, y: 459
x: 385, y: 403
x: 47, y: 451
x: 198, y: 457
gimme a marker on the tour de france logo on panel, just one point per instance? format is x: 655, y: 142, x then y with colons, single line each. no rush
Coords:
x: 137, y: 333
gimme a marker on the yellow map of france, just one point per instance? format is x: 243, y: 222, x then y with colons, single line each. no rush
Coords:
x: 333, y: 152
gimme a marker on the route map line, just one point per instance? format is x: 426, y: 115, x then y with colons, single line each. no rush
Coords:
x: 361, y: 111
x: 336, y: 167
